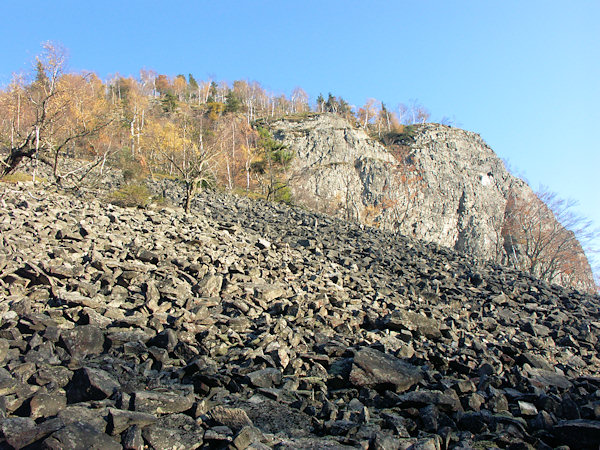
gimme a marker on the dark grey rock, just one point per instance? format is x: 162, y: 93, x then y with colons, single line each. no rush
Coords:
x: 96, y: 417
x: 44, y: 404
x: 132, y: 439
x: 120, y: 420
x: 371, y: 368
x: 157, y: 402
x: 166, y: 339
x: 401, y: 319
x: 17, y: 431
x: 90, y: 384
x: 578, y: 433
x: 20, y: 433
x: 265, y: 378
x: 84, y: 340
x: 546, y: 378
x: 447, y: 401
x: 80, y: 436
x: 175, y: 431
x: 247, y: 436
x: 234, y: 418
x: 272, y: 417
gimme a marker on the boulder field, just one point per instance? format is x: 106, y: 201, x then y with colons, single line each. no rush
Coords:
x: 254, y: 325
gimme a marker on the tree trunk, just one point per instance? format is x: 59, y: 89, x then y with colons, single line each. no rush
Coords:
x: 188, y: 197
x: 12, y: 161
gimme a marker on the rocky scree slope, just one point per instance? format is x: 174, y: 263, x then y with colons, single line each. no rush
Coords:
x: 253, y: 325
x: 451, y: 188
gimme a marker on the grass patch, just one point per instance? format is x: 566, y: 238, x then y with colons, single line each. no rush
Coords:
x: 164, y: 176
x: 253, y: 195
x: 131, y: 195
x: 21, y: 177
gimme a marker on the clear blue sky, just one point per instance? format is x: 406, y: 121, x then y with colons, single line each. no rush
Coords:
x: 523, y: 74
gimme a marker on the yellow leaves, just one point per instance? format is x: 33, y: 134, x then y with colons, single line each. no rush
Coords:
x: 82, y: 99
x: 179, y: 86
x: 166, y: 137
x: 165, y: 143
x: 215, y: 110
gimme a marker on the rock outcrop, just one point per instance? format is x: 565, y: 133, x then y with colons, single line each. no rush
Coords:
x: 444, y: 184
x: 255, y: 325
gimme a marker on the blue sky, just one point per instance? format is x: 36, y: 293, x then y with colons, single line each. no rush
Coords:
x: 523, y: 74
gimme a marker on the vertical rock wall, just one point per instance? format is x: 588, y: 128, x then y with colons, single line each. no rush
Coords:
x: 457, y: 186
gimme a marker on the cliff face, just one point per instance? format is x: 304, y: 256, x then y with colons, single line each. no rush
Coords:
x: 464, y: 191
x: 450, y: 188
x: 438, y: 183
x: 336, y: 168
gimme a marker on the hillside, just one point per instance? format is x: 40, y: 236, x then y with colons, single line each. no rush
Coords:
x: 254, y: 325
x: 430, y: 181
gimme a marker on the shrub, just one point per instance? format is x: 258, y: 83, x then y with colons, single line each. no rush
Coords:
x: 131, y: 195
x: 132, y: 169
x: 282, y: 193
x: 159, y: 200
x: 129, y: 175
x: 403, y: 135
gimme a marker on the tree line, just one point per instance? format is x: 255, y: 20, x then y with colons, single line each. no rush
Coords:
x: 200, y: 131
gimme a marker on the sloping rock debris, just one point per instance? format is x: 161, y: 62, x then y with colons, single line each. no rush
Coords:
x: 255, y: 325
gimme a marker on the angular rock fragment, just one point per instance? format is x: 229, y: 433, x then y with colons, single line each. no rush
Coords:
x: 402, y: 319
x: 44, y: 404
x: 120, y: 420
x: 90, y: 384
x: 210, y: 286
x: 545, y: 378
x: 93, y: 417
x: 17, y: 431
x: 83, y: 340
x: 247, y: 436
x: 166, y: 339
x: 234, y: 418
x: 265, y: 378
x: 175, y: 431
x: 80, y: 435
x: 578, y: 433
x: 132, y: 439
x: 447, y: 401
x: 372, y: 368
x: 156, y: 402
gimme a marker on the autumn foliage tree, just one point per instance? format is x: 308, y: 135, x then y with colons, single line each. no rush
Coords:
x: 543, y: 236
x: 158, y: 124
x: 178, y: 144
x: 47, y: 117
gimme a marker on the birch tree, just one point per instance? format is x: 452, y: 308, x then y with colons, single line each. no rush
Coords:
x: 51, y: 114
x: 178, y: 143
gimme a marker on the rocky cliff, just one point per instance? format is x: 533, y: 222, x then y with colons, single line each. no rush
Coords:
x: 435, y: 182
x: 254, y: 325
